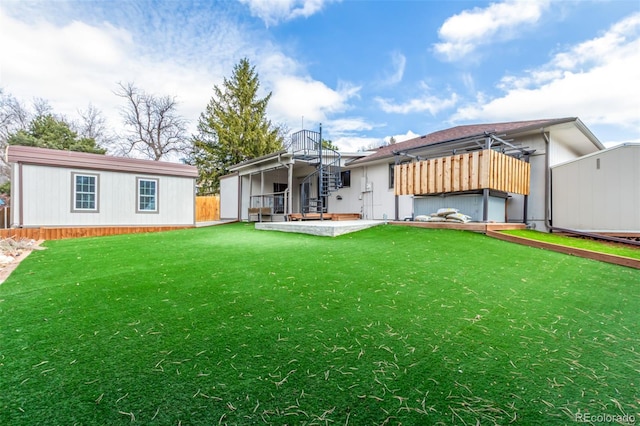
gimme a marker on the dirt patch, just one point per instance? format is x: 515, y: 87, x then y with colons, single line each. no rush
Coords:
x: 12, y: 252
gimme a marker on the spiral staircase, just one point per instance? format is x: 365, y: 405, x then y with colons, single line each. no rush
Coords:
x: 307, y: 146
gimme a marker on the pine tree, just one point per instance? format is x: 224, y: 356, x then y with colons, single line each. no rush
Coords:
x: 46, y: 131
x: 234, y: 128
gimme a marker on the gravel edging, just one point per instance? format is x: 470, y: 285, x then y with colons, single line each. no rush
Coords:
x: 7, y: 269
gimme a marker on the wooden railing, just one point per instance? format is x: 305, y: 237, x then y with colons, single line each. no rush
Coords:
x: 485, y: 169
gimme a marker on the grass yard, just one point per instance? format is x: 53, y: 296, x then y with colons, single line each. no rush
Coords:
x: 391, y: 325
x: 587, y: 244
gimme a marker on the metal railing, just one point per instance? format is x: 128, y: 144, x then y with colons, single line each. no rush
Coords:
x: 275, y: 203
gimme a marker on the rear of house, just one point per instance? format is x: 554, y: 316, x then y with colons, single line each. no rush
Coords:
x: 55, y: 188
x: 369, y: 180
x: 541, y: 143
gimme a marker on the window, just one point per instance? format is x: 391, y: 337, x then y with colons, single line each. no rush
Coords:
x: 391, y: 175
x: 85, y: 192
x: 147, y: 196
x: 392, y: 167
x: 345, y: 178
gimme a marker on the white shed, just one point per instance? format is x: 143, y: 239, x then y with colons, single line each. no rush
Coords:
x: 55, y: 188
x: 599, y: 192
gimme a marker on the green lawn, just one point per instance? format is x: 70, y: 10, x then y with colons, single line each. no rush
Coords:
x: 599, y: 246
x: 391, y: 325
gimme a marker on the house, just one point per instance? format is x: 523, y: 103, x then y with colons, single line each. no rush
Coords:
x: 55, y: 188
x: 540, y: 143
x: 599, y: 192
x: 304, y: 179
x: 509, y: 183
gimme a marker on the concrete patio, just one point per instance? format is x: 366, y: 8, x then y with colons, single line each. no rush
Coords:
x: 323, y: 228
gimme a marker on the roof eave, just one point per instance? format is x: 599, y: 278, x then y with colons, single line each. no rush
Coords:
x: 258, y: 160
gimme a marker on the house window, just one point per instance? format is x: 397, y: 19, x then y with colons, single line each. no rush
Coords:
x: 392, y: 168
x: 147, y: 196
x: 391, y: 175
x: 345, y: 178
x: 85, y: 192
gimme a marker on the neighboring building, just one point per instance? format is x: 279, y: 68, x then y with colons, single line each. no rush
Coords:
x: 599, y: 192
x: 280, y: 183
x: 56, y: 188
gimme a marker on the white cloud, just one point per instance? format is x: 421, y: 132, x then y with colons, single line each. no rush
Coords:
x: 296, y: 96
x: 73, y: 62
x: 356, y: 143
x: 427, y: 102
x: 462, y: 34
x: 272, y: 12
x: 402, y: 137
x: 349, y: 125
x: 353, y: 143
x: 184, y: 60
x: 398, y: 63
x: 596, y: 80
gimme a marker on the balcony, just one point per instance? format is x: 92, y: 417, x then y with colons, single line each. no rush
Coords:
x: 486, y: 169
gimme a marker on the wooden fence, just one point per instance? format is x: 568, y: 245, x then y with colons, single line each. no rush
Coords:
x: 207, y: 208
x: 79, y: 232
x: 485, y: 169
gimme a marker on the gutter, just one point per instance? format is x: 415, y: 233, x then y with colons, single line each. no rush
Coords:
x: 547, y: 181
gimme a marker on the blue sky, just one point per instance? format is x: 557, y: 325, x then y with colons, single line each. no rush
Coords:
x: 366, y: 70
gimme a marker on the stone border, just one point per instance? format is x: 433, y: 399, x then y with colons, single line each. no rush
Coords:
x: 10, y: 267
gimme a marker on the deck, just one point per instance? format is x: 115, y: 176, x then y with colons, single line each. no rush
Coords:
x: 325, y: 216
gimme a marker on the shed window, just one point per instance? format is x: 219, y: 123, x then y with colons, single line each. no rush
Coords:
x: 147, y: 195
x: 85, y: 192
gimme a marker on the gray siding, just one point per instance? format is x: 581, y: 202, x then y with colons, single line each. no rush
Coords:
x: 471, y: 205
x: 599, y: 192
x: 45, y: 197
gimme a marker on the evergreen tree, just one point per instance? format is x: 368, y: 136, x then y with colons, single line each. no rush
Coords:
x: 45, y: 131
x: 234, y: 128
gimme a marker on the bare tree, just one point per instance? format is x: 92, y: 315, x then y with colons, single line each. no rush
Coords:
x: 93, y: 125
x: 155, y: 128
x: 13, y: 116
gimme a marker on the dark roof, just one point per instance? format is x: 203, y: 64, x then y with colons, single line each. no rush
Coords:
x: 460, y: 132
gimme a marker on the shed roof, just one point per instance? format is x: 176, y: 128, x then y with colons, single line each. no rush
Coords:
x: 628, y: 146
x: 84, y: 160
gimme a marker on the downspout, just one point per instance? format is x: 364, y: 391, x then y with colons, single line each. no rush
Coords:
x: 397, y: 197
x: 525, y: 201
x: 547, y: 182
x: 485, y: 191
